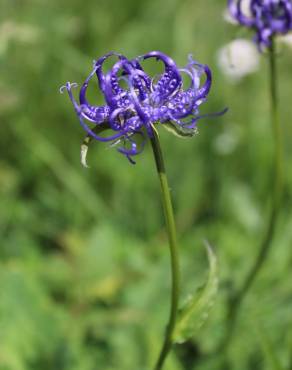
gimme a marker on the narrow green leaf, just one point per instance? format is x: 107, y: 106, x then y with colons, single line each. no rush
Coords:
x: 180, y: 131
x: 195, y: 310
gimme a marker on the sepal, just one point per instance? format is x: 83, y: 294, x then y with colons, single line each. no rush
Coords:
x: 179, y: 131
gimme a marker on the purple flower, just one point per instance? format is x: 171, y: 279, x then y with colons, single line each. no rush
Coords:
x: 267, y: 17
x: 135, y: 102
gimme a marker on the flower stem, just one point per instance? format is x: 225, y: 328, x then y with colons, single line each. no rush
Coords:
x: 171, y: 231
x: 276, y: 198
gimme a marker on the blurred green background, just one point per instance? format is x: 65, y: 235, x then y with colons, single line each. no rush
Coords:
x: 84, y: 265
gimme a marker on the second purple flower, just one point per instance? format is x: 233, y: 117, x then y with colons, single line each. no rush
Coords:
x: 267, y: 17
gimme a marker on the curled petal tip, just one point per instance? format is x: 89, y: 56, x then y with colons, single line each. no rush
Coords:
x: 62, y: 88
x: 67, y: 86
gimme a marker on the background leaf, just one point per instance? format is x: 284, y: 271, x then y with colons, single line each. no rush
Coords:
x: 196, y: 309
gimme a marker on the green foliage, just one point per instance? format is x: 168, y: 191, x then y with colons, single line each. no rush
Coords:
x: 84, y: 265
x: 196, y: 309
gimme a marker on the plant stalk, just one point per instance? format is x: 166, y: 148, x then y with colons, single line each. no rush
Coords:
x: 276, y: 198
x: 171, y: 231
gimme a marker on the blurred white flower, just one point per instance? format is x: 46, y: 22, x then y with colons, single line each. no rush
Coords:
x: 227, y: 141
x: 245, y: 7
x: 238, y: 59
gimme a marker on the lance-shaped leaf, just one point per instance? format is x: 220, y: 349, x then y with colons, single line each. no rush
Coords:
x: 195, y: 310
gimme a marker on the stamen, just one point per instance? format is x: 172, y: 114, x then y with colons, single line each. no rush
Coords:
x: 67, y: 87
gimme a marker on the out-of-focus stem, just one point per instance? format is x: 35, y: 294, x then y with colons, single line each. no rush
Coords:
x: 276, y: 200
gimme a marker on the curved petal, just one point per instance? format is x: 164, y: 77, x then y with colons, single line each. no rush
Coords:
x: 187, y: 102
x: 146, y: 78
x: 170, y: 80
x: 138, y: 79
x: 128, y: 99
x: 204, y: 90
x: 241, y: 17
x: 115, y: 96
x: 283, y: 23
x: 92, y: 113
x: 78, y: 110
x: 98, y: 67
x: 136, y: 102
x: 235, y: 8
x: 193, y: 122
x: 97, y: 137
x: 288, y: 10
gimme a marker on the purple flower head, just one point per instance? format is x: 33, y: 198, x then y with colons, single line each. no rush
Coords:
x: 135, y: 102
x: 267, y: 17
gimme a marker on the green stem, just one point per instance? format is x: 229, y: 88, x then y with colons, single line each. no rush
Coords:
x: 171, y: 231
x: 276, y: 198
